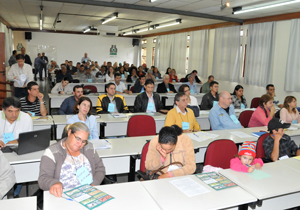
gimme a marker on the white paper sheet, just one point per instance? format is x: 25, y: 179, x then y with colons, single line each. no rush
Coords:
x: 100, y: 144
x: 202, y: 136
x: 119, y: 115
x: 189, y: 187
x: 203, y: 112
x: 241, y: 134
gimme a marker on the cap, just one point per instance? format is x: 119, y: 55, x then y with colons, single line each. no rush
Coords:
x: 248, y: 148
x: 276, y: 123
x: 120, y: 63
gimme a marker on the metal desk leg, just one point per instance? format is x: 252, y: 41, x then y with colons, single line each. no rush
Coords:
x: 131, y: 175
x: 102, y: 130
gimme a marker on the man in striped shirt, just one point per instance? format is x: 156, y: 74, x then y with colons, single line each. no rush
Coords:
x: 33, y: 104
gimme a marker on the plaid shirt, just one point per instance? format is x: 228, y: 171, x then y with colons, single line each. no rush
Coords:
x: 286, y: 146
x: 236, y: 102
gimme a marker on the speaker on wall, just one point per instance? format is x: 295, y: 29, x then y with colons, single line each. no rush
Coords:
x: 135, y: 42
x: 28, y: 35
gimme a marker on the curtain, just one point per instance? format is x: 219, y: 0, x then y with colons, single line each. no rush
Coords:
x: 226, y: 58
x: 8, y: 42
x: 259, y: 53
x: 137, y: 59
x: 178, y: 53
x: 292, y: 74
x: 163, y: 50
x: 198, y: 52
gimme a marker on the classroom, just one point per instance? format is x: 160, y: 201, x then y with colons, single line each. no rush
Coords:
x: 176, y: 104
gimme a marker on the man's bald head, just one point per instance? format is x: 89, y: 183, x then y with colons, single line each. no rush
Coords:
x: 224, y: 99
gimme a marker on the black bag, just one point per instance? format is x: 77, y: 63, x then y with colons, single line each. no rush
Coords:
x: 195, y: 109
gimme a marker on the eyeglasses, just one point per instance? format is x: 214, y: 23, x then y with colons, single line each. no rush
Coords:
x: 78, y: 139
x: 187, y: 90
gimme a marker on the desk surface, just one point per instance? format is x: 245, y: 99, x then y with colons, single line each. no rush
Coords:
x: 169, y: 197
x: 126, y: 196
x: 292, y: 163
x: 283, y: 180
x: 28, y: 203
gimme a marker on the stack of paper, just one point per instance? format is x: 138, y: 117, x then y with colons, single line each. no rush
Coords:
x: 189, y: 187
x: 43, y: 118
x: 119, y: 115
x: 100, y: 144
x: 202, y: 136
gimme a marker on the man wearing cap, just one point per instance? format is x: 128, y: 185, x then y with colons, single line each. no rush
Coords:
x: 279, y: 145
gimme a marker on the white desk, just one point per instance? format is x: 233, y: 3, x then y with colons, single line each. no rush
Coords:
x: 292, y: 163
x: 27, y: 203
x: 41, y: 124
x: 280, y: 191
x: 167, y: 196
x: 127, y: 196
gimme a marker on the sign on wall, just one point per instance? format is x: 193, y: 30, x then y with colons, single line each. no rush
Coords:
x: 113, y: 50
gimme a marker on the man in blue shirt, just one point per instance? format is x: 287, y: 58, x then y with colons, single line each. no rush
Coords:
x: 191, y: 84
x: 68, y: 104
x: 222, y: 115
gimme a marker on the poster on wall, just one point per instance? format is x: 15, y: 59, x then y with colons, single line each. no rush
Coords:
x: 113, y: 51
x: 50, y: 51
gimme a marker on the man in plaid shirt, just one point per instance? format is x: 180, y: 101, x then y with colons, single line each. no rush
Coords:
x: 279, y: 145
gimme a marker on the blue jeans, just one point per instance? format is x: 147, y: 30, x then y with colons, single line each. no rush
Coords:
x: 18, y: 189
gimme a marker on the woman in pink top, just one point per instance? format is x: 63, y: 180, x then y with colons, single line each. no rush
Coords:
x: 264, y: 112
x: 289, y: 113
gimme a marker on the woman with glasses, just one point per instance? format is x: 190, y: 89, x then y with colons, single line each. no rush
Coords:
x: 192, y: 101
x: 71, y: 162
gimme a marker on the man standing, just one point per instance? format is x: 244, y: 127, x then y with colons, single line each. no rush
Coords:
x: 271, y: 92
x: 191, y: 84
x: 206, y: 85
x: 139, y: 85
x: 85, y: 58
x: 211, y: 98
x: 21, y: 74
x: 12, y: 60
x: 62, y: 74
x: 26, y: 57
x: 88, y: 77
x: 34, y: 103
x: 111, y: 102
x: 148, y: 101
x: 194, y: 72
x: 39, y: 65
x: 182, y: 116
x: 222, y: 115
x: 45, y: 59
x: 68, y: 104
x: 120, y: 86
x: 166, y: 86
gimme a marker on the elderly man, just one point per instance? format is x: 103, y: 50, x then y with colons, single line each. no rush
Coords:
x: 52, y: 66
x: 85, y: 58
x: 120, y: 86
x: 21, y: 74
x: 191, y: 83
x: 222, y: 115
x: 210, y: 98
x: 12, y: 60
x: 26, y: 57
x: 38, y: 66
x: 194, y: 72
x: 62, y: 74
x: 88, y: 77
x: 206, y: 86
x: 165, y: 86
x: 68, y: 104
x: 182, y: 116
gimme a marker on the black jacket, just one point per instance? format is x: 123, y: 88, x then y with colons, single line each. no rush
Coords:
x: 137, y: 87
x: 141, y: 102
x: 161, y: 88
x: 103, y: 101
x: 27, y: 59
x: 208, y: 101
x: 60, y: 77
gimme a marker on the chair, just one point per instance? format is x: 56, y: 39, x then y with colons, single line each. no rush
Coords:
x: 245, y: 117
x: 201, y: 89
x: 132, y: 89
x: 260, y: 152
x: 219, y: 153
x: 91, y: 87
x: 182, y: 80
x: 255, y: 102
x: 141, y: 125
x: 143, y: 156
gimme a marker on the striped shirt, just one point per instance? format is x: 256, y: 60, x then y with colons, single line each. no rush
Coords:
x: 27, y: 106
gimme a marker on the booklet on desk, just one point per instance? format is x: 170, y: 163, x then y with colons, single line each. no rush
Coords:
x: 258, y: 134
x: 100, y: 144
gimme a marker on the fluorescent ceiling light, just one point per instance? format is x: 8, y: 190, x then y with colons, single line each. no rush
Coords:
x: 266, y: 7
x: 86, y: 30
x: 171, y: 24
x: 41, y: 24
x: 110, y: 19
x: 127, y: 33
x: 143, y: 30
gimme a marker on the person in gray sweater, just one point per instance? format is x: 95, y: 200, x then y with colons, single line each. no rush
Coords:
x: 71, y: 162
x: 7, y: 176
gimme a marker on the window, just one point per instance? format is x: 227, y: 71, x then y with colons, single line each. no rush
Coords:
x: 154, y: 40
x: 153, y: 54
x: 188, y: 38
x: 144, y: 49
x: 144, y: 41
x: 243, y: 49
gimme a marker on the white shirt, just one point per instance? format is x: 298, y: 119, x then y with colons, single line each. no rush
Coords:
x: 121, y: 87
x: 194, y: 101
x: 58, y: 87
x: 151, y: 100
x: 22, y: 124
x: 108, y: 78
x: 94, y: 72
x: 178, y: 110
x: 15, y: 70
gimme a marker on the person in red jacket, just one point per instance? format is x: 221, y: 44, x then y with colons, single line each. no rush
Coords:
x: 173, y: 77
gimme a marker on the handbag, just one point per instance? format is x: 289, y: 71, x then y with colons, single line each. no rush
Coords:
x: 151, y: 175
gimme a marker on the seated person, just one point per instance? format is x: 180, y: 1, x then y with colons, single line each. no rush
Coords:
x: 140, y: 71
x: 13, y: 122
x: 111, y: 102
x: 206, y: 85
x: 165, y: 86
x: 62, y: 87
x: 83, y: 108
x: 156, y: 73
x: 222, y: 115
x: 173, y: 77
x: 68, y: 104
x: 102, y: 72
x: 109, y: 77
x: 182, y: 116
x: 148, y: 101
x: 289, y: 112
x: 34, y: 103
x: 192, y: 101
x: 149, y: 75
x: 211, y: 98
x: 132, y: 78
x: 271, y: 92
x: 52, y: 67
x: 58, y: 169
x: 120, y: 86
x: 93, y: 70
x: 245, y: 160
x: 7, y: 176
x: 238, y: 99
x: 191, y: 84
x: 122, y: 72
x: 88, y: 77
x: 279, y: 145
x: 62, y: 74
x: 168, y: 147
x: 194, y: 72
x: 139, y: 85
x: 81, y: 71
x: 264, y: 112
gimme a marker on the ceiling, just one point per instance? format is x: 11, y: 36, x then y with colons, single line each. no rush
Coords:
x: 77, y: 15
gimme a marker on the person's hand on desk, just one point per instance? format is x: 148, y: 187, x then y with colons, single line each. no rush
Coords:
x: 257, y: 166
x: 2, y: 144
x: 62, y: 92
x: 56, y: 189
x: 166, y: 175
x: 196, y: 130
x: 170, y: 92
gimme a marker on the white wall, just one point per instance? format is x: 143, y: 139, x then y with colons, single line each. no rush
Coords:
x: 73, y: 46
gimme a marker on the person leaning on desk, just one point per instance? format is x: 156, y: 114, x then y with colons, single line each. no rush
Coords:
x: 71, y: 162
x: 171, y: 146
